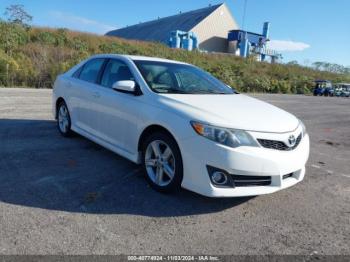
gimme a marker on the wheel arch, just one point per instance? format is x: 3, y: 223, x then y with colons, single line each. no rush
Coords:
x: 58, y: 101
x: 152, y: 129
x: 176, y: 181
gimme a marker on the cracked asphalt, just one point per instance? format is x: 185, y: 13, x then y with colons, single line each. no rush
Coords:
x: 71, y: 196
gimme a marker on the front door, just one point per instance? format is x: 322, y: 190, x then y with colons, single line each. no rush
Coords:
x: 117, y: 113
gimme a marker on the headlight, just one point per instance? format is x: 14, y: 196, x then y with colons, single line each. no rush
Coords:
x: 224, y: 136
x: 303, y: 128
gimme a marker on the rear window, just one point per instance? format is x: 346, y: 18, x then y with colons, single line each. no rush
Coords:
x: 89, y: 72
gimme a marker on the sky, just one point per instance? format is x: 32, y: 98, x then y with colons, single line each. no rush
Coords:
x: 302, y: 30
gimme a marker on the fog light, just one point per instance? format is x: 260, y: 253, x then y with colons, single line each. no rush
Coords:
x: 219, y: 178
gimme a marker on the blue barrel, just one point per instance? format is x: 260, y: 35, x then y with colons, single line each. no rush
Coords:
x: 187, y: 44
x: 177, y: 42
x: 194, y: 40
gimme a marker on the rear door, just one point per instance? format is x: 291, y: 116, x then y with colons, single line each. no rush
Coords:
x: 86, y: 94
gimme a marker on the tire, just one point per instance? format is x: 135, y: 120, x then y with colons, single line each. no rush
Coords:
x: 163, y: 169
x: 64, y: 120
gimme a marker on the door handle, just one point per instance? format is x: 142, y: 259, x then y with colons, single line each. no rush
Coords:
x: 96, y: 95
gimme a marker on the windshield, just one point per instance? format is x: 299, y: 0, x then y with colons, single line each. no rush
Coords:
x: 172, y: 78
x: 323, y: 85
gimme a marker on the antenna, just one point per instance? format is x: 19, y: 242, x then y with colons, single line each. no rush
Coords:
x: 244, y: 14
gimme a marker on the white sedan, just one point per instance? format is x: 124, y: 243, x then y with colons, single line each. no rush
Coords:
x: 186, y: 128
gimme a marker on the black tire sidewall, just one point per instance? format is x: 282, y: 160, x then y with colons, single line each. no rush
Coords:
x: 69, y: 131
x: 175, y: 184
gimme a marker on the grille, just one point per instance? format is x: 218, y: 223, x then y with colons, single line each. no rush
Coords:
x: 243, y: 181
x: 278, y: 145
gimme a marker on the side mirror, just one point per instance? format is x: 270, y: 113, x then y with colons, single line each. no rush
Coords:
x: 126, y: 86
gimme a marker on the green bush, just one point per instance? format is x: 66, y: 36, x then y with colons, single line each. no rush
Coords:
x: 35, y: 56
x: 46, y: 38
x: 7, y: 65
x: 12, y: 36
x: 79, y: 44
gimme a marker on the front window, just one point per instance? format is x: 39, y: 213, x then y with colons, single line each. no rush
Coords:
x: 172, y: 78
x: 115, y: 71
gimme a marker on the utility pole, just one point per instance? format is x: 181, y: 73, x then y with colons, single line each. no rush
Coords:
x: 7, y: 74
x: 244, y: 13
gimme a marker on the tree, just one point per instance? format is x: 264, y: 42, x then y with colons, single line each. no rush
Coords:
x: 317, y: 65
x: 329, y: 67
x: 293, y: 63
x: 17, y: 15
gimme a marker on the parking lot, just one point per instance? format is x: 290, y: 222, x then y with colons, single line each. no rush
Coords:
x: 71, y: 196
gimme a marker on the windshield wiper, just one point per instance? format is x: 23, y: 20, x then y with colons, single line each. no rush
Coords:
x: 171, y: 90
x: 208, y: 93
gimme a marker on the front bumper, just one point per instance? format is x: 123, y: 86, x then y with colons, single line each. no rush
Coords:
x: 198, y: 152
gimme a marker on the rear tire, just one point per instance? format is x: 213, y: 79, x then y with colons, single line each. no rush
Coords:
x: 162, y: 162
x: 64, y: 120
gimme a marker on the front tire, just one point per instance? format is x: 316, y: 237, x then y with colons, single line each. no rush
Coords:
x: 162, y: 162
x: 63, y: 120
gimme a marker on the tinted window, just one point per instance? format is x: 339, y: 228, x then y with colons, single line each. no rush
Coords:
x: 91, y: 69
x: 77, y: 73
x: 115, y: 71
x: 163, y: 77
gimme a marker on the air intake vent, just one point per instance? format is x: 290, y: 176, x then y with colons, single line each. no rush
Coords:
x: 287, y: 176
x: 243, y: 181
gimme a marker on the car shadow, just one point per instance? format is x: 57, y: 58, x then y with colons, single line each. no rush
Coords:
x: 40, y: 168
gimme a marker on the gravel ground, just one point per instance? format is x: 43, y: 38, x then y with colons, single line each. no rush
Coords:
x: 71, y: 196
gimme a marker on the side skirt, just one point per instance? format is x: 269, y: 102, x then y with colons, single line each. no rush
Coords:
x: 120, y: 151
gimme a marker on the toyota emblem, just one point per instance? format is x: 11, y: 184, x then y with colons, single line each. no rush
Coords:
x: 292, y: 141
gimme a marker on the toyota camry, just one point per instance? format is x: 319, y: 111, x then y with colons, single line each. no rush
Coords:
x: 185, y: 127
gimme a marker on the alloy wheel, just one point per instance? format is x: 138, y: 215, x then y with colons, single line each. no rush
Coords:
x: 63, y: 119
x: 160, y: 163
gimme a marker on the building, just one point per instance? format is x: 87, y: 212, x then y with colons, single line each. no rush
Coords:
x: 210, y: 25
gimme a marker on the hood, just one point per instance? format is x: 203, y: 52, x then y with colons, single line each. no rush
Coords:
x: 232, y: 111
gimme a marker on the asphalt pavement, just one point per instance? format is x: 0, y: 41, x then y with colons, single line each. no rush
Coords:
x: 71, y: 196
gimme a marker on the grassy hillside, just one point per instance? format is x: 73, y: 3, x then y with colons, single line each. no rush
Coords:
x: 33, y: 57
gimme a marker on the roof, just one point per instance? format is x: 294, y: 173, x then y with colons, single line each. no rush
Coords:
x: 159, y: 30
x: 345, y: 84
x: 154, y: 59
x: 134, y: 57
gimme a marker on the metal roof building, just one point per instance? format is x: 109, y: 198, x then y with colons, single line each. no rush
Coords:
x: 210, y: 24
